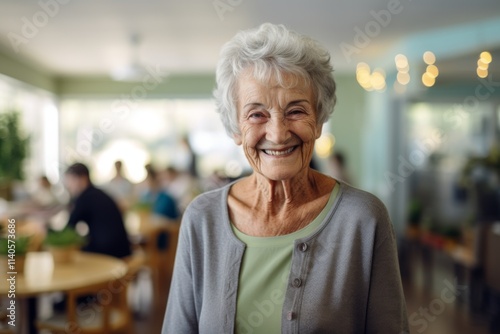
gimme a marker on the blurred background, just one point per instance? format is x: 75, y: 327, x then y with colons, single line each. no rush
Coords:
x: 417, y: 123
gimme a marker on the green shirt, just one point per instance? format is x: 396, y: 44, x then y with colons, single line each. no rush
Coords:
x: 264, y: 274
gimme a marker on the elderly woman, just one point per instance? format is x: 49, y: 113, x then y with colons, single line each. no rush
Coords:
x: 287, y: 249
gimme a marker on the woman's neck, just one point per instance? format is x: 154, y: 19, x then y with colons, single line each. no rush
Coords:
x: 299, y: 189
x: 262, y: 207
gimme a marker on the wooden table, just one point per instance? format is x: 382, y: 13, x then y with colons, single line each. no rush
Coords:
x: 88, y: 269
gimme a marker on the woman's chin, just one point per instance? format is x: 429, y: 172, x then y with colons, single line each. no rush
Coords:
x: 280, y: 173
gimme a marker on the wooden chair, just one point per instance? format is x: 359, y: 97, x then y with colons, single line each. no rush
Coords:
x: 160, y: 247
x: 157, y: 237
x: 105, y: 307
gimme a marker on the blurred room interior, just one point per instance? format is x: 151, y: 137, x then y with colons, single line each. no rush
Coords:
x: 417, y: 123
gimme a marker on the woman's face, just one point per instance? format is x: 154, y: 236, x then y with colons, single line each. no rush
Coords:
x: 278, y: 125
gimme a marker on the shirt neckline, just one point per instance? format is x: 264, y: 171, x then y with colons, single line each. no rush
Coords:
x: 286, y: 239
x: 326, y: 219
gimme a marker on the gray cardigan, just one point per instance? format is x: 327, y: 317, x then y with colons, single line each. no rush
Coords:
x: 344, y: 278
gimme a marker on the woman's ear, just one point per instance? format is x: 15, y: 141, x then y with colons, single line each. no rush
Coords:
x: 319, y: 130
x: 237, y: 138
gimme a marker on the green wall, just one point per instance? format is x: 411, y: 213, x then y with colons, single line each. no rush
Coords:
x: 174, y: 85
x: 347, y: 124
x: 27, y: 73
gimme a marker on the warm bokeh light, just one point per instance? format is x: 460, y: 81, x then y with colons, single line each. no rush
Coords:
x: 368, y: 80
x: 403, y: 78
x: 324, y: 145
x: 428, y: 80
x: 404, y: 70
x: 401, y: 62
x: 378, y: 79
x: 363, y: 74
x: 486, y: 57
x: 481, y: 64
x: 429, y: 58
x: 363, y: 77
x: 362, y: 66
x: 482, y: 73
x: 433, y: 71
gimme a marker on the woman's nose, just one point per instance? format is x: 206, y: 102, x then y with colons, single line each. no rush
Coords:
x: 278, y: 131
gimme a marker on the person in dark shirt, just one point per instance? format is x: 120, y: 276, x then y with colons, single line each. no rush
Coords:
x: 107, y: 234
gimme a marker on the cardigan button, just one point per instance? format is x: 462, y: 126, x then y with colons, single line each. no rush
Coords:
x: 297, y: 283
x: 290, y: 316
x: 303, y: 247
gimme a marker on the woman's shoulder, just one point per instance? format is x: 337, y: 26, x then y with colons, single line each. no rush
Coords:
x: 208, y: 206
x: 209, y: 200
x: 206, y: 219
x: 362, y: 202
x: 360, y: 211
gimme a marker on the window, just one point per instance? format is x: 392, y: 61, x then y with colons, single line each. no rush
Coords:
x: 39, y: 118
x: 160, y: 131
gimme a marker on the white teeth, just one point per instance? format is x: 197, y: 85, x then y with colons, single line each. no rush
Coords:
x: 270, y: 152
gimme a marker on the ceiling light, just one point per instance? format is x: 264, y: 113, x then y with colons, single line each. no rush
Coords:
x: 401, y: 62
x: 135, y: 70
x: 403, y: 78
x: 482, y: 73
x: 432, y: 70
x: 481, y: 64
x: 362, y: 66
x: 377, y: 79
x: 429, y: 58
x: 428, y: 80
x: 485, y: 56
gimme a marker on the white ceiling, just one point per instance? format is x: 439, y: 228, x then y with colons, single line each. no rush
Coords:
x: 91, y: 37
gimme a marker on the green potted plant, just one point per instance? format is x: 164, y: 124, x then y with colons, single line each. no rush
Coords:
x: 64, y: 244
x: 13, y: 253
x: 13, y: 151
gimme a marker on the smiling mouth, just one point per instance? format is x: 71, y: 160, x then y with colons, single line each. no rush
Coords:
x: 280, y: 152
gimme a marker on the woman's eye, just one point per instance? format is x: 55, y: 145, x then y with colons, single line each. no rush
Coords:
x: 256, y: 115
x: 295, y: 112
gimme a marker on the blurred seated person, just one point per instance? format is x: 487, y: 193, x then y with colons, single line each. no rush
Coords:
x: 43, y: 194
x: 120, y: 188
x: 160, y: 202
x: 181, y: 185
x: 107, y: 234
x: 141, y: 187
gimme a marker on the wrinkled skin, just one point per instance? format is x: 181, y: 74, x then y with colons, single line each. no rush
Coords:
x: 278, y: 129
